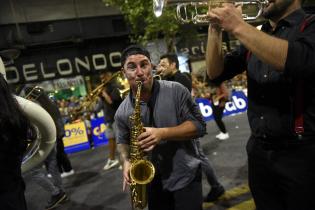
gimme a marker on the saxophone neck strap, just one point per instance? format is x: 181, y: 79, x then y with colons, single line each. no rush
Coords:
x: 151, y: 103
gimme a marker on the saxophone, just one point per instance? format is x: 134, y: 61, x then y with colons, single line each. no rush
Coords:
x: 141, y: 170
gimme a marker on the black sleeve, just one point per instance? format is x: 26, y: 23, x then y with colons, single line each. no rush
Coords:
x: 184, y: 80
x: 301, y: 54
x: 235, y: 62
x: 114, y: 94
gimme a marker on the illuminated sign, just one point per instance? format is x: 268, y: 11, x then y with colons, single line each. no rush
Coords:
x: 237, y: 104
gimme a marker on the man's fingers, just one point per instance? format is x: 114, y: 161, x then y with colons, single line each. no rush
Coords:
x: 213, y: 16
x: 149, y: 148
x: 145, y: 143
x: 143, y: 135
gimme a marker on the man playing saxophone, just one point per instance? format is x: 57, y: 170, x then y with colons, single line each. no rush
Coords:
x: 172, y: 122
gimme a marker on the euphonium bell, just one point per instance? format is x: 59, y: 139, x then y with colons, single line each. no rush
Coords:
x: 37, y: 150
x: 190, y: 11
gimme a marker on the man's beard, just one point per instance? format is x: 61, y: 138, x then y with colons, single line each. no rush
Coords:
x: 277, y: 9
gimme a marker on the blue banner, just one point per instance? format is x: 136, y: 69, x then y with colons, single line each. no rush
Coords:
x: 98, y: 128
x: 237, y: 104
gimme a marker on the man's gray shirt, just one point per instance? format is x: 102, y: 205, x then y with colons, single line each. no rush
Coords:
x: 176, y: 162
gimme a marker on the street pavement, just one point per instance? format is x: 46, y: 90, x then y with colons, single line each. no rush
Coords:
x: 92, y: 188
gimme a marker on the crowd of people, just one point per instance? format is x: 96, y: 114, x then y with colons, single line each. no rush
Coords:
x: 281, y: 114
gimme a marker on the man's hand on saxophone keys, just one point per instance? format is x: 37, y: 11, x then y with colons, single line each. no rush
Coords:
x: 150, y: 138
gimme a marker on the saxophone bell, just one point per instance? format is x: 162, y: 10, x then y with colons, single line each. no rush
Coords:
x: 142, y: 172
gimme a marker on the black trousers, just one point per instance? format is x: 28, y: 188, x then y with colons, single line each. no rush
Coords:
x: 282, y: 177
x: 187, y: 198
x: 217, y: 115
x: 63, y: 161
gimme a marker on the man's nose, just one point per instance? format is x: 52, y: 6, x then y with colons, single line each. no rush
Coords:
x: 139, y: 71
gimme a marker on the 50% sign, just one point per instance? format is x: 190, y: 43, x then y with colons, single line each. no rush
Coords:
x: 73, y: 132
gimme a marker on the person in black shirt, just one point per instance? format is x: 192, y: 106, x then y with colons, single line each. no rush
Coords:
x: 169, y: 66
x: 14, y: 127
x: 53, y: 185
x: 109, y: 101
x: 281, y: 148
x: 169, y: 70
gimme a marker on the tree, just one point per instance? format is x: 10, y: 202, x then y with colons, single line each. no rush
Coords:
x: 145, y: 26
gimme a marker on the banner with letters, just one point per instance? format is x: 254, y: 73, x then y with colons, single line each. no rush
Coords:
x: 237, y: 104
x: 67, y: 61
x: 98, y: 127
x: 75, y: 138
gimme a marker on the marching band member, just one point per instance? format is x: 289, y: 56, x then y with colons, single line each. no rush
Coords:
x: 172, y: 123
x: 280, y: 62
x: 14, y: 127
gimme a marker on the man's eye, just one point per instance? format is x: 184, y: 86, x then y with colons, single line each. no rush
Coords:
x: 144, y: 65
x: 131, y: 67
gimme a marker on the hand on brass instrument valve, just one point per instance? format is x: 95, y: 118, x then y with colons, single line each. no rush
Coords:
x: 150, y: 138
x: 126, y: 174
x: 228, y: 17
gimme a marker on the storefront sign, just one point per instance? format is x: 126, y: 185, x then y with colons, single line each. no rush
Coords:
x: 197, y: 48
x: 75, y: 138
x: 49, y: 64
x: 65, y: 83
x: 237, y: 104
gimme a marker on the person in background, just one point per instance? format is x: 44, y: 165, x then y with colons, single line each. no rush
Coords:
x: 279, y: 60
x: 63, y: 162
x: 219, y: 95
x: 108, y: 102
x: 15, y: 128
x: 53, y: 184
x: 169, y: 65
x: 170, y: 132
x: 169, y: 68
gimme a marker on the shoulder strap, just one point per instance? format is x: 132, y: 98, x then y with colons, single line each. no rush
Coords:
x: 299, y: 91
x: 248, y: 54
x: 308, y: 18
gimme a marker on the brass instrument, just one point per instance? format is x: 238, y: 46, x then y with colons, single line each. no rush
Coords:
x: 157, y: 76
x: 141, y: 171
x: 92, y: 97
x: 190, y: 11
x: 35, y: 93
x: 38, y: 149
x: 123, y: 92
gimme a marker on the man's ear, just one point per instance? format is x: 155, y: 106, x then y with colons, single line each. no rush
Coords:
x: 173, y: 65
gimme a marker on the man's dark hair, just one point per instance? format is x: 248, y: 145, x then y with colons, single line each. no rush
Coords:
x: 133, y: 50
x: 172, y: 58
